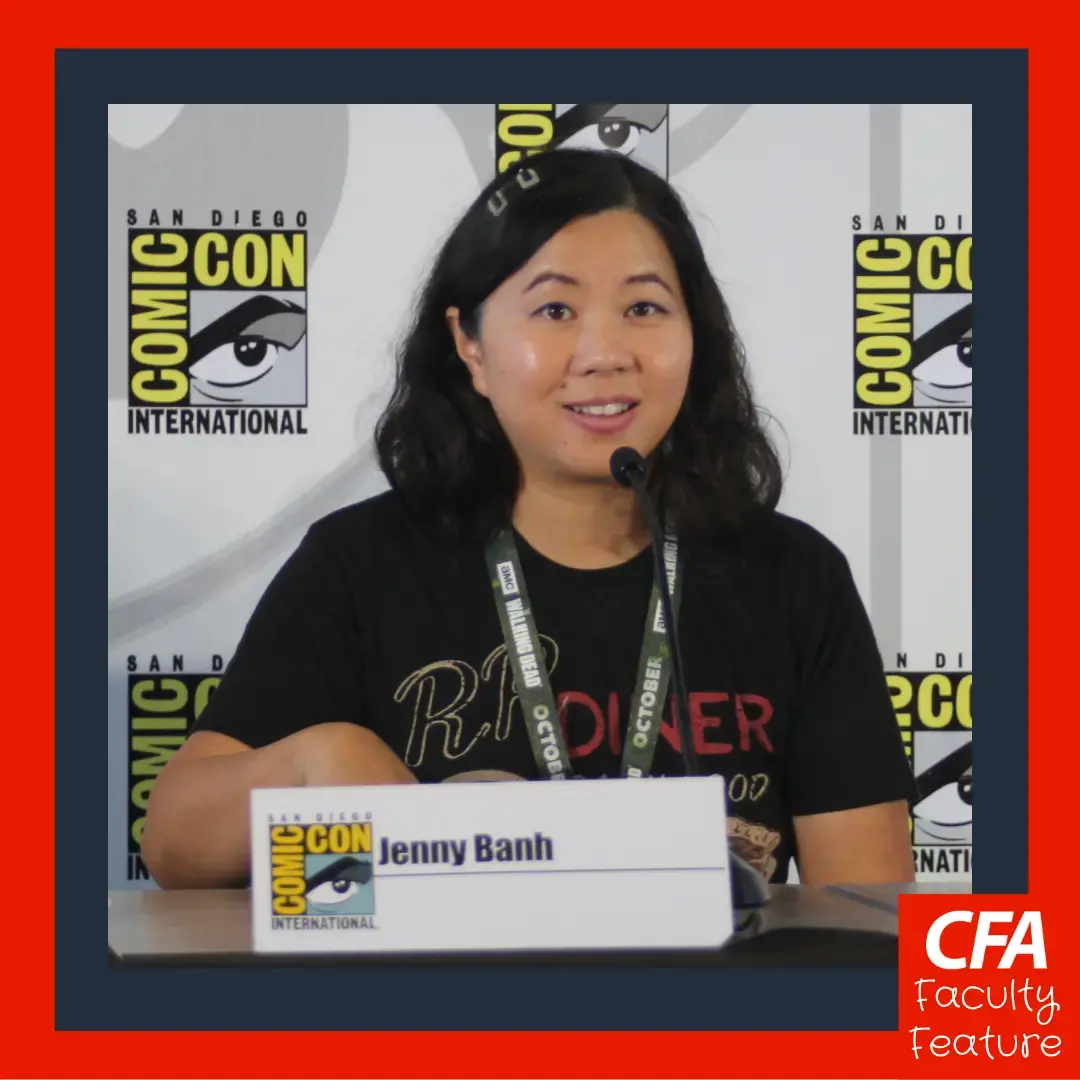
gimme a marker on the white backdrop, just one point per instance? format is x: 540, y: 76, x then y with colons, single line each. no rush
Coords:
x: 198, y: 523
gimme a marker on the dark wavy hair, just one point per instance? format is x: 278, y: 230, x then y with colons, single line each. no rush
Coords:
x: 439, y: 442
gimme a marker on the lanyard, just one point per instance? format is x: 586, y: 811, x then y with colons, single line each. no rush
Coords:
x: 531, y: 676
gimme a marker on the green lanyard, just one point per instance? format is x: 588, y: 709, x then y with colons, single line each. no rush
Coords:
x: 531, y: 676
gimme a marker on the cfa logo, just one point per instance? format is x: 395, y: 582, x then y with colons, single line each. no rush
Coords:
x: 1026, y: 939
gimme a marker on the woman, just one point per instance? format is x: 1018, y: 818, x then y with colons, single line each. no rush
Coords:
x: 571, y: 312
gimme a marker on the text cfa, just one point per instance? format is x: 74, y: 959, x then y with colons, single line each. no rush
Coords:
x: 1025, y: 939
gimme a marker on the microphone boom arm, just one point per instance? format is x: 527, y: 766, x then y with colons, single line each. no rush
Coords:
x: 636, y: 477
x: 749, y: 888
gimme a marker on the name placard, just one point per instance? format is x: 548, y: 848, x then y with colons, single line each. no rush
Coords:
x: 593, y: 864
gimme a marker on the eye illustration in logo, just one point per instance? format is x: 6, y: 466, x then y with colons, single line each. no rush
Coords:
x: 943, y: 814
x: 942, y: 356
x: 233, y: 358
x: 339, y: 885
x: 637, y: 130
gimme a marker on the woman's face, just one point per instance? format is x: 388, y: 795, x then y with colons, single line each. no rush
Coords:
x: 587, y: 348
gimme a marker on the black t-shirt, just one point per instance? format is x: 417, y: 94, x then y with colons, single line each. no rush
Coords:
x: 377, y: 621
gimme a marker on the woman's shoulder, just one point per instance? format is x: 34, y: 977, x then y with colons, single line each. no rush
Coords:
x: 373, y: 514
x: 781, y: 541
x: 380, y: 523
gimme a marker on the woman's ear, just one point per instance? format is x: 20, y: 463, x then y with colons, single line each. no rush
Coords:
x: 468, y: 349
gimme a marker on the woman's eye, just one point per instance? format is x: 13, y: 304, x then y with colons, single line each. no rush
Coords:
x: 333, y: 892
x: 644, y: 308
x: 556, y: 312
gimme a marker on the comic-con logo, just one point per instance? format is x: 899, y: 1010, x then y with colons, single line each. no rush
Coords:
x: 217, y: 330
x: 933, y: 709
x: 639, y: 131
x: 322, y: 875
x: 162, y: 710
x: 912, y: 340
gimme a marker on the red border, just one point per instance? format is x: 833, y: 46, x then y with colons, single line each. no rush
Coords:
x: 27, y: 438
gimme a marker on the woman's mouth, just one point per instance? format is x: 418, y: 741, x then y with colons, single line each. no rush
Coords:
x: 603, y: 417
x: 611, y: 409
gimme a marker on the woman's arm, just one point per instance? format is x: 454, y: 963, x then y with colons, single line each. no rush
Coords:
x: 298, y: 664
x: 198, y: 827
x: 849, y: 782
x: 865, y: 846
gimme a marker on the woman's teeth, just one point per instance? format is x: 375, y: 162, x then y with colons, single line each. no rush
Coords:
x: 601, y: 410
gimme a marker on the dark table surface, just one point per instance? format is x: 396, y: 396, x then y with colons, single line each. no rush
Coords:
x: 802, y: 926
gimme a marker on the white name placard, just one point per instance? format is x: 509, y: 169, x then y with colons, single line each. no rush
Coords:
x: 590, y: 864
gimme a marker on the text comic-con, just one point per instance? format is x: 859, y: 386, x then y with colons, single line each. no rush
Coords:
x: 261, y: 264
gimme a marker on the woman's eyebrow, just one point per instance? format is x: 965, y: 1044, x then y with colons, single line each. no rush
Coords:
x: 644, y: 279
x: 551, y: 275
x: 566, y: 279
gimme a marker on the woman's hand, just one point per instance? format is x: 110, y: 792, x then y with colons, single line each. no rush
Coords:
x: 198, y: 825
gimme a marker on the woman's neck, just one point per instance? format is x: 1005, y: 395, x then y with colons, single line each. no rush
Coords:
x: 584, y: 526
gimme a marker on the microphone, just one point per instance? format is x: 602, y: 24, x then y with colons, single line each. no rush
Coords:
x: 748, y: 887
x: 628, y: 469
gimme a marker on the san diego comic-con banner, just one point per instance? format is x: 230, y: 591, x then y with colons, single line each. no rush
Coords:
x: 913, y: 331
x: 218, y: 326
x: 252, y: 318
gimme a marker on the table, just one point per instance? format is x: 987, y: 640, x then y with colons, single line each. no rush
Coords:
x: 802, y: 926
